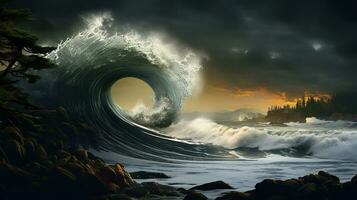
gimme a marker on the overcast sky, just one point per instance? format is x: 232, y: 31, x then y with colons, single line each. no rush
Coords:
x: 278, y: 46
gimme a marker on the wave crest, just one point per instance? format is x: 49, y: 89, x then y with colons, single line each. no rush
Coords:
x: 90, y: 62
x: 129, y: 54
x: 324, y: 143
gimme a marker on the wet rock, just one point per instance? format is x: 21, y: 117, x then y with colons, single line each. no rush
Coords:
x: 62, y: 175
x: 81, y: 154
x: 322, y: 184
x: 195, y: 196
x: 61, y: 182
x: 36, y: 168
x: 34, y: 150
x: 234, y: 196
x: 354, y: 179
x: 76, y: 168
x: 159, y: 189
x: 320, y: 178
x: 349, y: 189
x: 147, y: 175
x: 136, y: 191
x: 123, y: 178
x: 183, y: 190
x: 92, y: 156
x: 52, y: 147
x: 149, y: 188
x: 12, y: 133
x: 308, y: 189
x: 3, y: 156
x: 107, y: 174
x: 14, y: 150
x: 270, y: 187
x: 30, y: 146
x: 69, y: 129
x: 13, y: 176
x: 62, y: 154
x: 91, y: 185
x: 212, y: 186
x: 112, y: 187
x: 329, y: 177
x: 40, y: 152
x: 63, y: 113
x: 267, y: 187
x: 120, y: 197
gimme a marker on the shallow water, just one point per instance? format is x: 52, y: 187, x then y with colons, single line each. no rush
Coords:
x: 264, y: 152
x: 242, y: 174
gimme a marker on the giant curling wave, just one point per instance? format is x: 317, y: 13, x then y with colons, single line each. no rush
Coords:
x: 90, y: 62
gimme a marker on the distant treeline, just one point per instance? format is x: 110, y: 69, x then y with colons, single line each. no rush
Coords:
x: 339, y: 106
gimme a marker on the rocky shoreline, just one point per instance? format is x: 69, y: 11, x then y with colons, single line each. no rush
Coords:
x: 40, y: 158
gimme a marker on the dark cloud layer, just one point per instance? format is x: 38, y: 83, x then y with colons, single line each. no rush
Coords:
x: 285, y: 46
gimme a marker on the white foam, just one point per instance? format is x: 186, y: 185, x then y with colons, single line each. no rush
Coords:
x: 323, y: 143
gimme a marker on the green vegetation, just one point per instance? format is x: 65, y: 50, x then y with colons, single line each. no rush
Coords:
x: 40, y: 155
x: 341, y: 105
x: 20, y: 58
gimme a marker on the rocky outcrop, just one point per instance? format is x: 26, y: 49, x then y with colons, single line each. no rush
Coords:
x: 318, y: 186
x: 35, y: 162
x: 212, y: 186
x: 147, y: 175
x: 39, y: 159
x: 195, y: 196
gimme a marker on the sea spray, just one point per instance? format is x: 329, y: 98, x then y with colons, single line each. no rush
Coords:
x: 313, y: 138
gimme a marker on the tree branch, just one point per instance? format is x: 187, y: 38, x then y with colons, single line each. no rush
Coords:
x: 7, y: 69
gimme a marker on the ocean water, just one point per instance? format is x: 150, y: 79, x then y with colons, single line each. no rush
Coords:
x: 191, y: 151
x: 255, y: 152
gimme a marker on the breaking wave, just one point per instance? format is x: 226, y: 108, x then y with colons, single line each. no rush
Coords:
x: 338, y: 143
x: 90, y: 62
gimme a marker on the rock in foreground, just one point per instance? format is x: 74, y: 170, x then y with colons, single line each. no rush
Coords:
x: 320, y: 186
x: 147, y: 175
x: 212, y: 186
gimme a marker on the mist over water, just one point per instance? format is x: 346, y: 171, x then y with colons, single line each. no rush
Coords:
x: 318, y: 138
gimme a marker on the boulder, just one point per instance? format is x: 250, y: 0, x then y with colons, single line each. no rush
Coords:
x: 30, y: 146
x: 36, y: 168
x: 120, y: 197
x: 77, y: 168
x: 62, y: 154
x: 320, y: 178
x: 212, y: 186
x: 3, y: 156
x: 91, y: 185
x: 13, y: 176
x: 61, y: 182
x: 14, y: 151
x: 136, y: 191
x: 195, y: 196
x: 123, y: 178
x: 69, y: 129
x: 107, y: 174
x: 12, y: 133
x: 329, y: 177
x: 234, y: 196
x: 159, y: 189
x: 147, y: 175
x: 81, y: 154
x: 40, y: 152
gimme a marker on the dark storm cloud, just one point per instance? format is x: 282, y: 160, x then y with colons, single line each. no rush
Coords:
x: 285, y: 46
